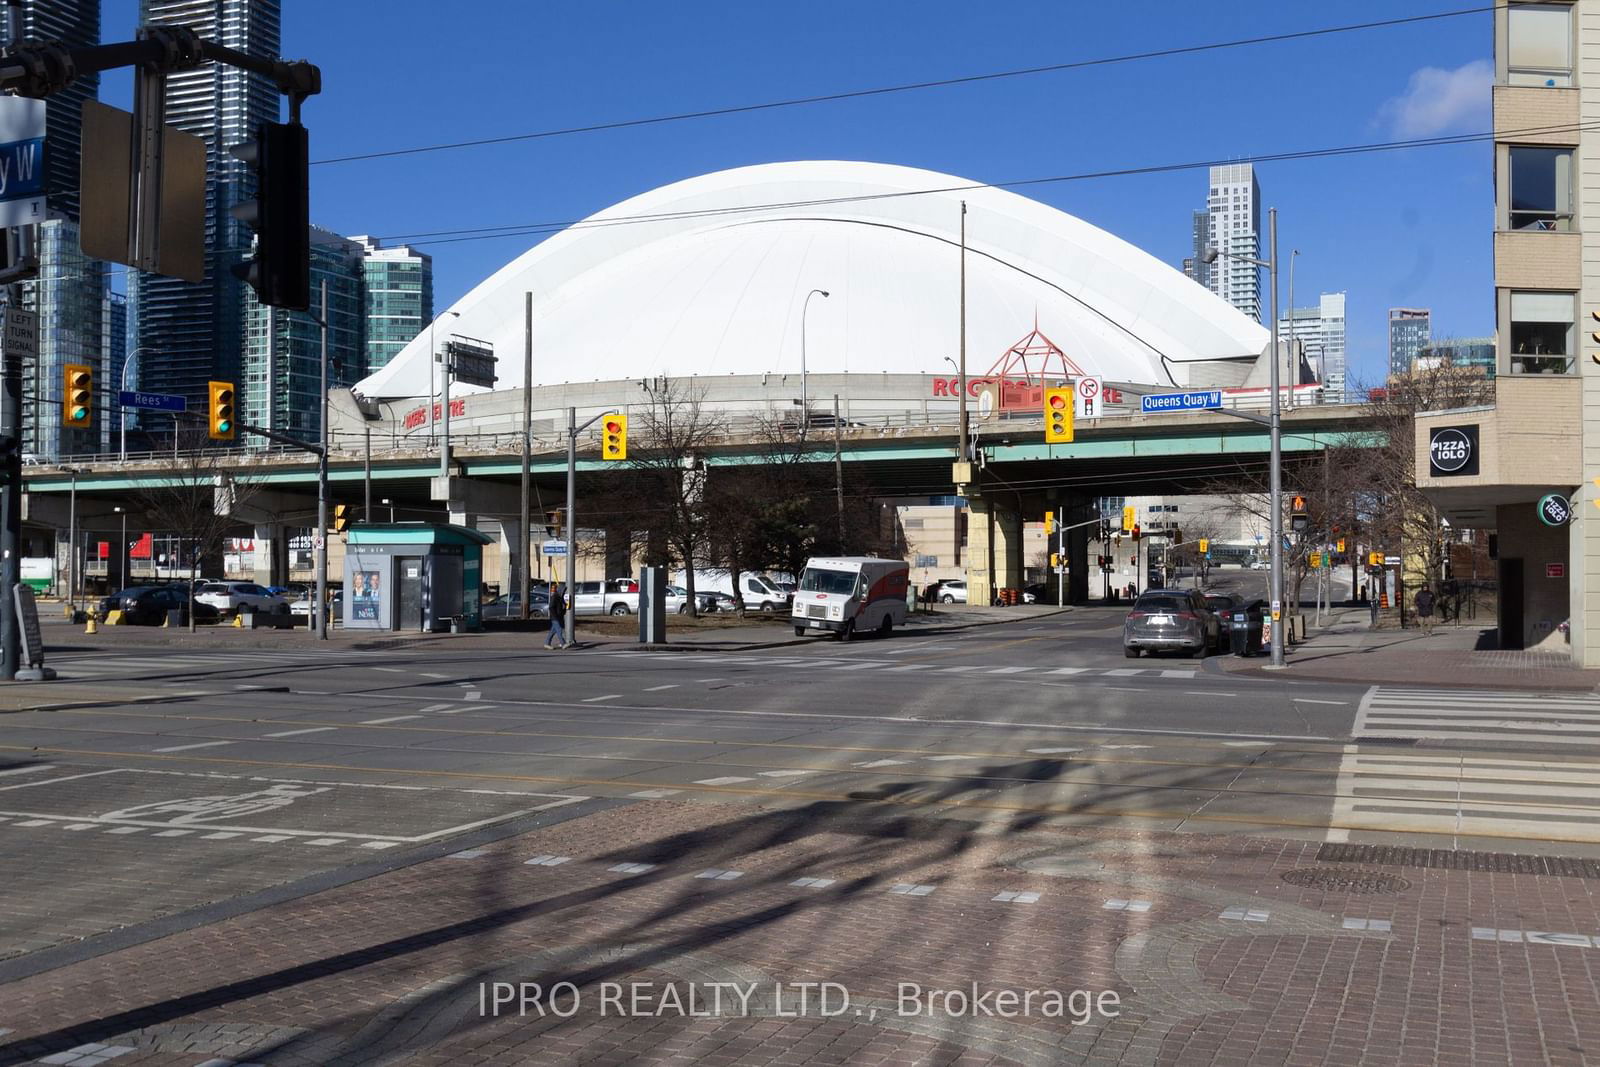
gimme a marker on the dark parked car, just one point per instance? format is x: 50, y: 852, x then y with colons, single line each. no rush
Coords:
x: 509, y: 606
x: 1040, y: 593
x: 147, y: 605
x: 1166, y: 619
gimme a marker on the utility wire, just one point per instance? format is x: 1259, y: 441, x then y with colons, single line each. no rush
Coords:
x: 856, y: 94
x: 489, y: 233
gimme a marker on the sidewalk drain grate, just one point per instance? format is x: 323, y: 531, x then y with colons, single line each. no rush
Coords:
x: 1346, y: 880
x: 1459, y: 860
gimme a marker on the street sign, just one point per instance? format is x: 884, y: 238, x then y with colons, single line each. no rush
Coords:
x: 1316, y: 561
x: 1088, y: 398
x: 1554, y: 509
x: 1555, y: 570
x: 471, y: 363
x: 1202, y: 400
x: 152, y: 401
x: 22, y: 191
x: 555, y: 548
x: 21, y: 328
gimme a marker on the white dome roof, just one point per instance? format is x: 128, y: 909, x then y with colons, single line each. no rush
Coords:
x: 716, y: 281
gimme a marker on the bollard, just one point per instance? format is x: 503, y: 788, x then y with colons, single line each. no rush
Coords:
x: 114, y: 617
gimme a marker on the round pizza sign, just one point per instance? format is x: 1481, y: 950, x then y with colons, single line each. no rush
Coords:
x: 1452, y: 450
x: 1554, y: 509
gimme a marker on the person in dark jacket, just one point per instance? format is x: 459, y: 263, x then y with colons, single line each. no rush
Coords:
x: 1423, y: 602
x: 557, y: 638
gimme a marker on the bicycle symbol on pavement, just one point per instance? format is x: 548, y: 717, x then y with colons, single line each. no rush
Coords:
x: 209, y: 808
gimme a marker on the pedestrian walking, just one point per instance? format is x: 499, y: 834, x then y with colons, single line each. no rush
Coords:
x: 1362, y: 599
x: 557, y: 638
x: 1423, y: 602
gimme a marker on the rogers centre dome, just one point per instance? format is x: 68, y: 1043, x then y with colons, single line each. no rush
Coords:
x: 709, y: 276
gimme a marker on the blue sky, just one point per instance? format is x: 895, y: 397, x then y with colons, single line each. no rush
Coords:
x: 1394, y: 229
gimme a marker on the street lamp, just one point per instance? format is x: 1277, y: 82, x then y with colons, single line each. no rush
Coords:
x: 805, y: 398
x: 444, y: 403
x: 123, y: 417
x: 390, y: 505
x: 1275, y: 413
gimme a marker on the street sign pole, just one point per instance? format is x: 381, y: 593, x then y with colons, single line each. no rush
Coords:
x: 1280, y: 616
x: 572, y: 529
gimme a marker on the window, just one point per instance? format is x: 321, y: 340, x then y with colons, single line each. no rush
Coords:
x: 1539, y: 45
x: 1541, y: 333
x: 1541, y: 188
x: 926, y: 561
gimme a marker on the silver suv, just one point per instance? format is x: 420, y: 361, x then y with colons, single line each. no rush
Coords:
x: 231, y: 597
x: 1167, y: 619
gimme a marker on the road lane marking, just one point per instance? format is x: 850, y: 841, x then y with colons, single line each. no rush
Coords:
x: 27, y: 770
x: 392, y: 718
x: 390, y: 670
x: 659, y: 688
x: 185, y: 748
x: 432, y: 707
x: 1308, y: 700
x: 52, y: 781
x: 297, y: 733
x: 730, y: 779
x: 426, y: 674
x: 608, y: 696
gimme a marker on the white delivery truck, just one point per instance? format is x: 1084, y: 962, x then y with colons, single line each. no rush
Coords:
x: 850, y: 595
x: 756, y: 590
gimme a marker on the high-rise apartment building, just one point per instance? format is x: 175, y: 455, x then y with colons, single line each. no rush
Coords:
x: 1321, y: 330
x: 69, y: 294
x: 1195, y: 266
x: 281, y: 379
x: 191, y: 332
x: 1409, y: 330
x: 399, y: 297
x: 1233, y: 210
x: 1467, y: 353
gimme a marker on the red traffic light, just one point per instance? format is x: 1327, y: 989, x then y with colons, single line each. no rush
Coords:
x: 1058, y: 401
x: 613, y: 426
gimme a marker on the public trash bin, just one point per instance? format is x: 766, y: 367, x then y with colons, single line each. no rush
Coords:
x: 1239, y: 633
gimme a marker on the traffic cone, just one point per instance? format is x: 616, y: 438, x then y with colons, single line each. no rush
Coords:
x: 89, y: 629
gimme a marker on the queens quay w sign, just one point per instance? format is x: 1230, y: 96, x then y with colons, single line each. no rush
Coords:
x: 1453, y: 451
x: 1202, y: 400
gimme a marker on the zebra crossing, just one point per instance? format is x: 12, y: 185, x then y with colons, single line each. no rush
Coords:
x: 889, y: 666
x: 1473, y: 792
x: 93, y: 666
x: 1478, y: 715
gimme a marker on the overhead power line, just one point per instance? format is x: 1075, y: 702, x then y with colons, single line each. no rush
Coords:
x: 887, y: 90
x: 489, y: 233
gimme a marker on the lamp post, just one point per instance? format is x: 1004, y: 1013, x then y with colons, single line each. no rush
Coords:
x: 805, y: 394
x: 122, y: 555
x: 1275, y: 490
x: 444, y: 403
x: 1294, y: 332
x: 390, y: 505
x: 123, y: 417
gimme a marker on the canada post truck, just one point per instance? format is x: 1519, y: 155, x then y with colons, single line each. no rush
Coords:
x: 851, y: 595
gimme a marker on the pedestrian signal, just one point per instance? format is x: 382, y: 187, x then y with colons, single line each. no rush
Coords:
x: 341, y: 518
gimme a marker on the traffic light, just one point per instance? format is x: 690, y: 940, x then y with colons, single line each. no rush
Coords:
x: 1049, y: 523
x: 341, y: 518
x: 614, y: 440
x: 1136, y: 531
x: 77, y: 395
x: 1205, y: 545
x: 1130, y: 515
x: 555, y: 522
x: 1057, y: 415
x: 1340, y: 545
x: 280, y: 270
x: 220, y: 424
x: 1055, y: 559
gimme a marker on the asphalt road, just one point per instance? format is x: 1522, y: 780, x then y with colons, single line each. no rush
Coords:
x: 227, y: 773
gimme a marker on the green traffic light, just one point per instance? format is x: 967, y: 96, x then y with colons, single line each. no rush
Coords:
x: 79, y: 413
x: 224, y: 426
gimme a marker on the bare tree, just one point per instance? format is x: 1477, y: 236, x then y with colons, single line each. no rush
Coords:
x: 195, y: 494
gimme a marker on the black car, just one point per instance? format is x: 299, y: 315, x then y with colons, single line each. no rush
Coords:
x: 147, y: 605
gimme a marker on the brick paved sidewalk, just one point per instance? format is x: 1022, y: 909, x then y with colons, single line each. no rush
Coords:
x: 1236, y: 950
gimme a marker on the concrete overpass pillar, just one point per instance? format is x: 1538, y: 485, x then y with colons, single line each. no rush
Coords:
x: 1077, y: 510
x: 511, y: 556
x: 619, y: 552
x: 994, y: 549
x: 271, y: 562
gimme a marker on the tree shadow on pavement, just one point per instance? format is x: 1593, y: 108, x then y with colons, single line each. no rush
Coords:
x: 859, y: 832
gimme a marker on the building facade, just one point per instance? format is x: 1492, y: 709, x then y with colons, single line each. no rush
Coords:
x: 1233, y: 220
x: 1472, y: 353
x: 398, y: 285
x: 191, y: 332
x: 1195, y: 265
x: 1501, y: 461
x: 1409, y: 330
x: 1321, y: 330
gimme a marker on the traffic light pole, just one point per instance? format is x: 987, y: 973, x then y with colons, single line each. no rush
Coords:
x: 319, y: 611
x: 573, y: 429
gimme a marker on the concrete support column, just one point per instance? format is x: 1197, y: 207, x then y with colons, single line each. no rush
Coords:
x: 511, y: 556
x: 271, y: 563
x: 1079, y: 570
x: 994, y: 549
x: 619, y: 552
